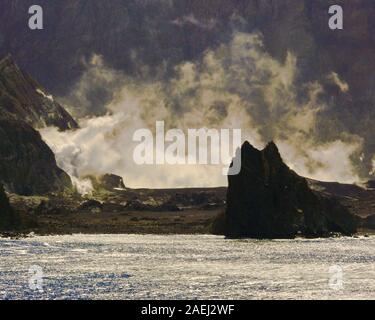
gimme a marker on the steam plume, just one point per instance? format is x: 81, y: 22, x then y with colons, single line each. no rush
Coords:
x: 237, y: 85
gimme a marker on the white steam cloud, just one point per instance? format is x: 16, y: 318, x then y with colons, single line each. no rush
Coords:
x: 237, y: 85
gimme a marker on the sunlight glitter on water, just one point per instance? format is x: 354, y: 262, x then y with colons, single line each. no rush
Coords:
x: 186, y: 267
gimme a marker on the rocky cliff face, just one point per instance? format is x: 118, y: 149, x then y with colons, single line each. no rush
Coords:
x: 8, y: 219
x: 27, y: 164
x: 21, y: 97
x: 268, y: 200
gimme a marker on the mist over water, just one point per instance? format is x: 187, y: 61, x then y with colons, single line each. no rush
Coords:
x: 237, y: 85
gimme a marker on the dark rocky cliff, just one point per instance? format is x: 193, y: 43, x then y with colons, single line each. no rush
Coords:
x: 27, y: 164
x: 21, y: 97
x: 268, y: 200
x: 8, y: 218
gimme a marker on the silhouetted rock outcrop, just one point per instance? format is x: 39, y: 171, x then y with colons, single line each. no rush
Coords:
x: 27, y: 164
x: 8, y: 218
x: 268, y: 200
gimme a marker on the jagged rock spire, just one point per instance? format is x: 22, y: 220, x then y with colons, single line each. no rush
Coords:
x: 269, y: 200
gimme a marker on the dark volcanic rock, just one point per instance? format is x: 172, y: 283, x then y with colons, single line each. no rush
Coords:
x: 91, y: 205
x: 107, y: 182
x: 8, y: 218
x: 137, y: 205
x: 53, y: 207
x: 370, y: 184
x: 368, y: 222
x: 335, y: 188
x: 268, y: 200
x: 111, y: 181
x: 27, y: 165
x: 22, y: 98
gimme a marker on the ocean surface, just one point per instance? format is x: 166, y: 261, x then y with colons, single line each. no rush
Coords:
x: 185, y: 267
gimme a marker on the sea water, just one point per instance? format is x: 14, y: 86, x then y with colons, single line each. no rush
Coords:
x: 185, y: 267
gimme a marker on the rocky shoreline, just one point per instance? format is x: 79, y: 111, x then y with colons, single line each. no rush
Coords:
x: 128, y: 211
x: 141, y: 211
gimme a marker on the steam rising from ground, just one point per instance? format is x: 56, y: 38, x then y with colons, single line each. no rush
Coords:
x: 237, y: 85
